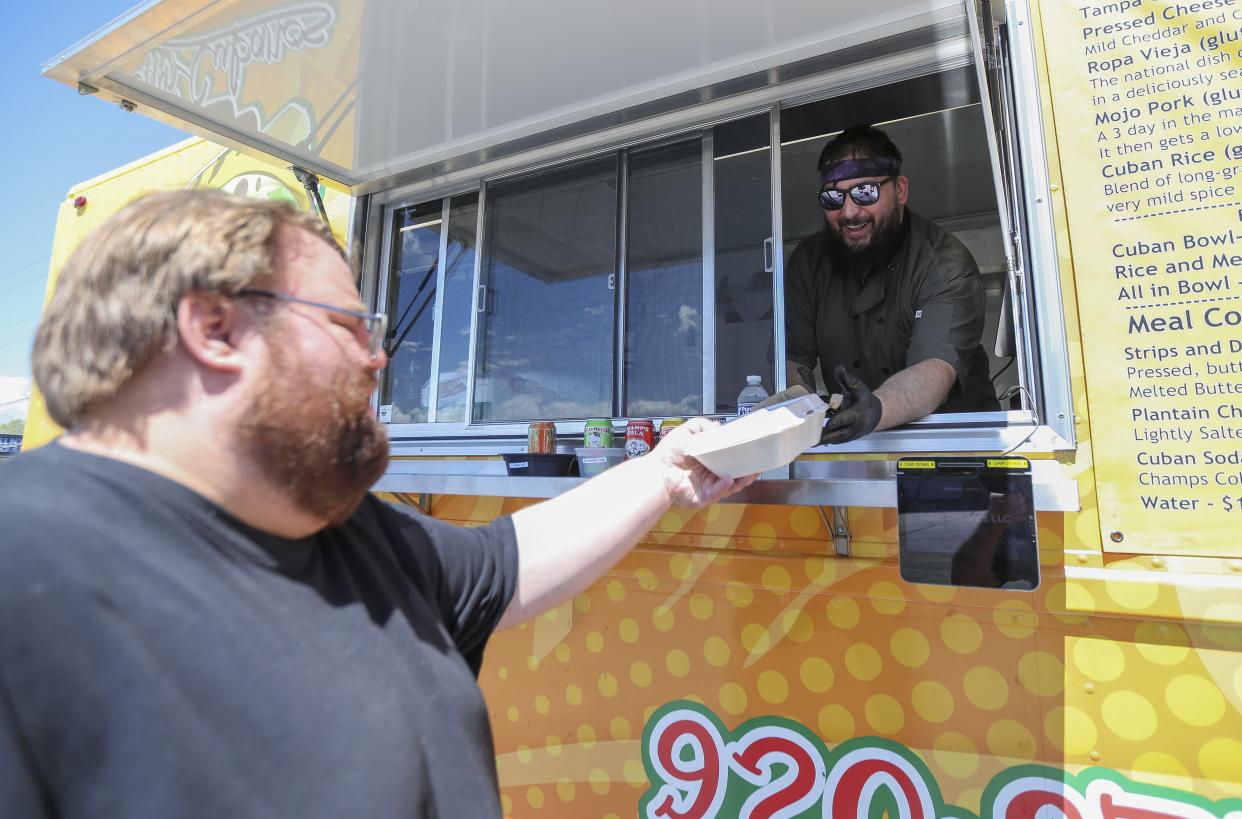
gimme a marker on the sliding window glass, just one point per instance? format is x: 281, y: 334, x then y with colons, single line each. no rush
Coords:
x: 456, y: 301
x: 428, y: 298
x: 411, y: 302
x: 547, y: 306
x: 742, y: 181
x: 664, y: 282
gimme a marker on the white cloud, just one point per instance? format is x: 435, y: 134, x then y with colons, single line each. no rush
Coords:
x: 14, y: 392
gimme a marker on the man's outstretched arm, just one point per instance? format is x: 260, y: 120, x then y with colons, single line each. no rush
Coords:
x: 905, y: 396
x: 914, y: 392
x: 565, y: 543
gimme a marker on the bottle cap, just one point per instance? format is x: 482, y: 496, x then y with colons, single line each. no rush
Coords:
x: 753, y: 379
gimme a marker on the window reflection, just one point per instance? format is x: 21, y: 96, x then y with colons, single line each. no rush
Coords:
x: 743, y: 212
x: 664, y: 300
x: 455, y: 309
x: 411, y: 301
x: 546, y: 327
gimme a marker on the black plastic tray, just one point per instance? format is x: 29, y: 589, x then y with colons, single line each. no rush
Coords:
x: 541, y: 465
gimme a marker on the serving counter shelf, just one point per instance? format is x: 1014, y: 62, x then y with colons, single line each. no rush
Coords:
x: 804, y: 483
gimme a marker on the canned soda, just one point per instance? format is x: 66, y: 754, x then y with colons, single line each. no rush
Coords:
x: 597, y: 433
x: 639, y: 437
x: 541, y: 437
x: 668, y: 425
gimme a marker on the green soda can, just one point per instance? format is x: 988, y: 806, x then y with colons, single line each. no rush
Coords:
x: 597, y: 433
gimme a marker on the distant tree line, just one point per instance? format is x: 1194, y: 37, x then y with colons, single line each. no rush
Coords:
x: 15, y: 426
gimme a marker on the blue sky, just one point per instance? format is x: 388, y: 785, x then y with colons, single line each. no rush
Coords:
x: 51, y: 139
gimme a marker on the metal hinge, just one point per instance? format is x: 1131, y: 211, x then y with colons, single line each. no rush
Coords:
x: 311, y: 183
x: 841, y: 531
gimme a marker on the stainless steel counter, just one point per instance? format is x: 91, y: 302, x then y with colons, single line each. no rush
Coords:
x: 810, y: 483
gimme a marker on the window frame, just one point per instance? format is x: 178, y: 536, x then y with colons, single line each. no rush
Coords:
x: 1036, y: 266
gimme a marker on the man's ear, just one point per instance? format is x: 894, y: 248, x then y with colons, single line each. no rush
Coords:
x: 902, y: 183
x: 208, y: 326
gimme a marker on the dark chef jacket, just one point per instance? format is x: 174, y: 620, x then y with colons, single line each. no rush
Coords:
x: 926, y: 303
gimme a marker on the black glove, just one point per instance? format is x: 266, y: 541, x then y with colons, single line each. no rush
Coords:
x: 796, y: 391
x: 859, y: 413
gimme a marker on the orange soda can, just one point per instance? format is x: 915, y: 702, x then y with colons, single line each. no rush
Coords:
x: 541, y: 437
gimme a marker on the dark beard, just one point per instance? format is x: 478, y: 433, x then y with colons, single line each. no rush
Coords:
x: 318, y: 442
x: 858, y: 262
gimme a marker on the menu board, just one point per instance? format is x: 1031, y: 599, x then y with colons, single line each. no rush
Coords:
x: 1147, y: 101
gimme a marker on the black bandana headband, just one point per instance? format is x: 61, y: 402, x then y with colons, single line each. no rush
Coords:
x: 839, y: 169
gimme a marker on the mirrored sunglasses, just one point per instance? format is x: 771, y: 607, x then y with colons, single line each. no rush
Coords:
x: 864, y: 193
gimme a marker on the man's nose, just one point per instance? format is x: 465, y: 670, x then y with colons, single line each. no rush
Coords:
x: 851, y: 209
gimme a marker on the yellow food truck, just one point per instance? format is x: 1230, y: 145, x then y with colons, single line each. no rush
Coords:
x: 577, y: 210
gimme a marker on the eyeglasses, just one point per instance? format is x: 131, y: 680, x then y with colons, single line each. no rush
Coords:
x: 864, y: 193
x: 375, y: 323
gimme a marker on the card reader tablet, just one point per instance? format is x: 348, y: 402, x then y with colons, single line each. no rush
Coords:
x: 967, y: 522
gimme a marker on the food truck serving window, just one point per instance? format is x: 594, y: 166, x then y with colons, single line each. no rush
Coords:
x: 648, y: 278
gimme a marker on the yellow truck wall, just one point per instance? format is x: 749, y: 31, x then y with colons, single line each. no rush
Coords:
x: 742, y: 618
x: 194, y: 163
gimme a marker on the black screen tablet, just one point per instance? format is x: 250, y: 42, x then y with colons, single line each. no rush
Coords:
x: 967, y: 522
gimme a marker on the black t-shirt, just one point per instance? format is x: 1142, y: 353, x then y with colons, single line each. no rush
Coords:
x: 158, y: 658
x: 926, y: 302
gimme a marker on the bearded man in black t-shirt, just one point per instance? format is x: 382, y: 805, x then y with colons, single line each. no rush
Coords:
x: 203, y: 613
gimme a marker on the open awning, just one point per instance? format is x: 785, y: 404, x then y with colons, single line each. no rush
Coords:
x: 361, y: 91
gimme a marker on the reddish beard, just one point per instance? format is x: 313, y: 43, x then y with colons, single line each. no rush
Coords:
x: 317, y: 441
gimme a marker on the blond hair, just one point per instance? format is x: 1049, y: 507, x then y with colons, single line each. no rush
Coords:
x: 115, y: 304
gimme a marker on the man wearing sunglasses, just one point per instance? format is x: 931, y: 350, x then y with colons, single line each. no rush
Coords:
x: 888, y: 304
x: 203, y: 610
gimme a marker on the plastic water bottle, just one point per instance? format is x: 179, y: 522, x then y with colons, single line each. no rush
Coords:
x: 750, y: 395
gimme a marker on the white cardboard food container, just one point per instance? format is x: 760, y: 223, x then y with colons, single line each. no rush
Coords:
x: 761, y: 440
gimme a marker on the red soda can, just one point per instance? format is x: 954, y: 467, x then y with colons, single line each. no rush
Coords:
x: 639, y: 437
x: 541, y: 437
